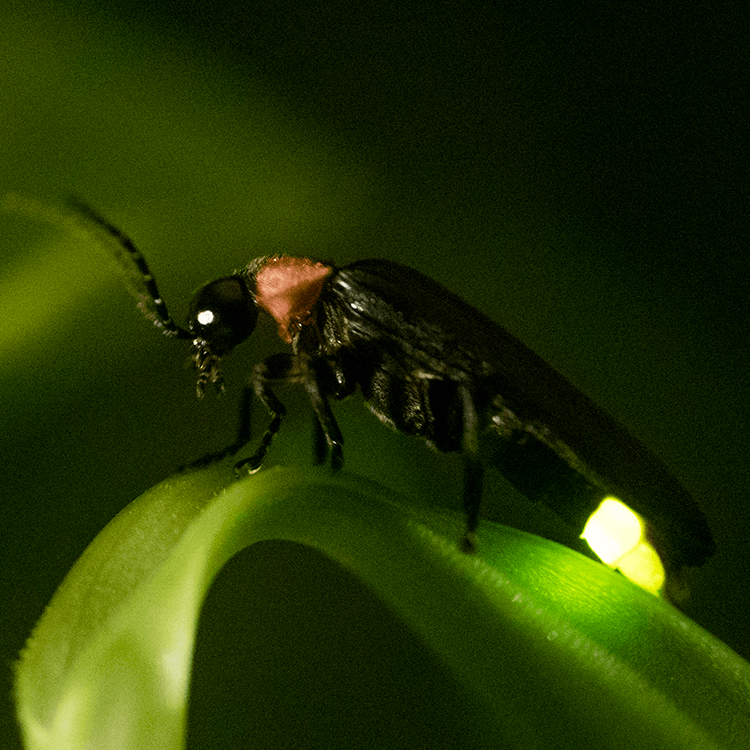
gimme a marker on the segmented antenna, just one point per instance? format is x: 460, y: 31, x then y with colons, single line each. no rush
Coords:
x: 138, y: 278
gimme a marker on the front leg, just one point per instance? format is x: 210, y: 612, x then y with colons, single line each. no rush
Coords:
x: 282, y: 368
x: 290, y: 368
x: 242, y: 439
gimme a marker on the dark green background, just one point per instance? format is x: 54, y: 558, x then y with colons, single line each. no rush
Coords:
x: 575, y: 171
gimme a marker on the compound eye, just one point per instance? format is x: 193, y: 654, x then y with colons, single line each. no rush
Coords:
x: 223, y: 314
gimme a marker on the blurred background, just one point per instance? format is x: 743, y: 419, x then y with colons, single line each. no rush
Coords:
x: 578, y: 173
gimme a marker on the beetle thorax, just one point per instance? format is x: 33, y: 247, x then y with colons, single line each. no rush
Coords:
x: 288, y: 289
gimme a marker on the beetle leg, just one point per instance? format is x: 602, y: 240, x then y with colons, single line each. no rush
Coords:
x: 327, y: 427
x: 279, y: 367
x: 334, y: 378
x: 243, y: 434
x: 277, y: 410
x: 473, y: 469
x: 320, y: 444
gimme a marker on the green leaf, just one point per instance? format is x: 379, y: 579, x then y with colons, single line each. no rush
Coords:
x: 555, y: 649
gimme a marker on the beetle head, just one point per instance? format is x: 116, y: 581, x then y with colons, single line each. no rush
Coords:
x: 222, y: 314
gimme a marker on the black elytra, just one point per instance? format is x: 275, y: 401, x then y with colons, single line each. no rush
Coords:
x: 429, y: 365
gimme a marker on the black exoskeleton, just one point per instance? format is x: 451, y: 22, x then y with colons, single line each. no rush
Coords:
x: 429, y: 365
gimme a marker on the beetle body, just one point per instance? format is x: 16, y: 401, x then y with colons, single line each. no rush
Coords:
x: 428, y: 365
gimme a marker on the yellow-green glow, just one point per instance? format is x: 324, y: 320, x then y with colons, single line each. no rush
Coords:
x: 615, y: 533
x: 612, y: 530
x: 643, y: 566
